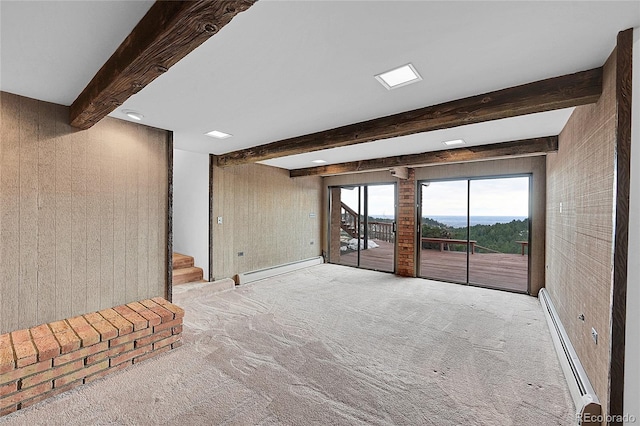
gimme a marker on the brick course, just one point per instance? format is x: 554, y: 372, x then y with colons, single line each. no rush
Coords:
x: 44, y: 361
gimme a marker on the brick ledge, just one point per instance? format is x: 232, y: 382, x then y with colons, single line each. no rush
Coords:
x: 44, y: 361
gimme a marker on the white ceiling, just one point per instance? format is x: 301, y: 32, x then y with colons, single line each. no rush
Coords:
x: 289, y: 68
x: 50, y: 50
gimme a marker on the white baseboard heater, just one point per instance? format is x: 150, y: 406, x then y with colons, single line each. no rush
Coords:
x: 261, y: 274
x: 585, y: 400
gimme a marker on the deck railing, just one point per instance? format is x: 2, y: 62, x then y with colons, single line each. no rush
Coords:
x: 381, y: 231
x: 375, y: 230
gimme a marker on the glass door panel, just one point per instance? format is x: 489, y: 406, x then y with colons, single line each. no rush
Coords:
x: 379, y: 252
x: 443, y: 230
x: 499, y: 231
x: 350, y: 224
x: 362, y: 226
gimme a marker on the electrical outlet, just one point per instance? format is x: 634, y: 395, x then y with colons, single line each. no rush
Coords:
x: 561, y: 207
x: 594, y: 334
x: 240, y: 253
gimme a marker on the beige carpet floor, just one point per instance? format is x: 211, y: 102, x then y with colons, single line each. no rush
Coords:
x: 333, y: 345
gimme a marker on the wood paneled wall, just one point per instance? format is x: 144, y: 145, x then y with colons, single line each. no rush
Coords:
x: 580, y: 177
x: 83, y: 214
x: 267, y: 216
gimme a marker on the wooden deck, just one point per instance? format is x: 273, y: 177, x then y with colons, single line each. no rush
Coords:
x: 495, y: 270
x: 379, y: 259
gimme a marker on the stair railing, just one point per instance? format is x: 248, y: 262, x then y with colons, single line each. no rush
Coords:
x: 348, y: 220
x: 375, y: 230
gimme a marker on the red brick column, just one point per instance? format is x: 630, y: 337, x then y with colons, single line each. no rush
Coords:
x: 334, y: 239
x: 406, y: 234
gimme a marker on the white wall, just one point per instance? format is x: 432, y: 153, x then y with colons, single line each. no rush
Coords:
x: 632, y: 344
x: 191, y: 206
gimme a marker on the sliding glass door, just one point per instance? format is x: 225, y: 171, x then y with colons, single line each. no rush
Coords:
x: 362, y: 226
x: 443, y: 236
x: 476, y: 231
x: 499, y: 224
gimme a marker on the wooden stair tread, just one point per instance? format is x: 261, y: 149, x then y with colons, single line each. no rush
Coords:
x: 187, y: 275
x: 180, y: 261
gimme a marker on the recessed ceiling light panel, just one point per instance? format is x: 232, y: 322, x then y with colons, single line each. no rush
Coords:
x: 399, y: 77
x: 454, y: 142
x: 134, y: 115
x: 318, y: 161
x: 218, y: 134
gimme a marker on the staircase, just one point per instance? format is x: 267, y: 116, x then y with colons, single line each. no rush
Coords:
x: 184, y: 271
x: 348, y: 220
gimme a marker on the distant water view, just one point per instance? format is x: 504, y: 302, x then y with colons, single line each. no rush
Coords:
x: 461, y: 221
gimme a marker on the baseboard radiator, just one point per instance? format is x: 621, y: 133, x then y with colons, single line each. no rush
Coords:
x: 585, y: 400
x: 248, y: 277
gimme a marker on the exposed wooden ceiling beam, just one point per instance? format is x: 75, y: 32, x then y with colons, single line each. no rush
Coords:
x: 167, y: 33
x: 521, y: 148
x: 545, y: 95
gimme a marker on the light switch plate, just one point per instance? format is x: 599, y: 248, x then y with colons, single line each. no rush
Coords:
x: 219, y: 220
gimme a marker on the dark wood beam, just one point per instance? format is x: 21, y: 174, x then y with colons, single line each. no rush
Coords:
x: 554, y: 93
x: 167, y: 33
x: 521, y: 148
x: 624, y: 77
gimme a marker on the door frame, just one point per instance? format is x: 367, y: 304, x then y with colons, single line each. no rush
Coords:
x: 365, y: 203
x: 468, y: 179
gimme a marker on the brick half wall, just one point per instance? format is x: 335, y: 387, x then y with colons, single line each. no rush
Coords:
x: 43, y: 361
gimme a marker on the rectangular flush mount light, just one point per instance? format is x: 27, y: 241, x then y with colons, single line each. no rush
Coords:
x: 454, y: 142
x: 218, y: 134
x: 399, y: 77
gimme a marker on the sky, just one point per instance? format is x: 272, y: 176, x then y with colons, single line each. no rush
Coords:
x: 489, y: 197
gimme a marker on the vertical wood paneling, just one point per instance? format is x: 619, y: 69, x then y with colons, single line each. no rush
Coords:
x: 46, y: 215
x: 83, y: 214
x: 2, y: 136
x: 241, y: 219
x: 131, y: 222
x: 63, y: 219
x: 580, y: 236
x: 156, y: 153
x: 28, y: 211
x: 107, y: 167
x: 120, y: 156
x: 265, y: 215
x: 10, y: 213
x: 79, y: 287
x: 143, y: 216
x: 93, y: 216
